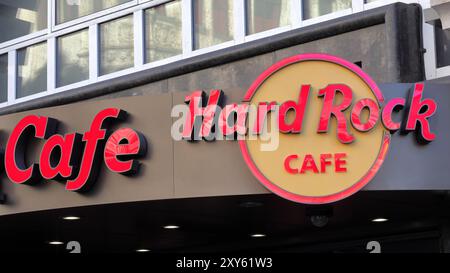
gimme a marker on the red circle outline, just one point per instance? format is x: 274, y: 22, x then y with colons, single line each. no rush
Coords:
x: 316, y: 199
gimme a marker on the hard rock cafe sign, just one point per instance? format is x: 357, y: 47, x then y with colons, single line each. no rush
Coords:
x: 334, y: 126
x: 330, y: 120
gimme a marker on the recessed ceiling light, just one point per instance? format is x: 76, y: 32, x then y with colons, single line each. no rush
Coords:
x: 55, y: 243
x: 171, y: 227
x: 258, y: 235
x: 251, y: 204
x: 142, y: 250
x: 71, y: 218
x: 380, y: 220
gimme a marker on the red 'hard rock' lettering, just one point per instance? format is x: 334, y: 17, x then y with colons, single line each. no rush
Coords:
x: 199, y: 122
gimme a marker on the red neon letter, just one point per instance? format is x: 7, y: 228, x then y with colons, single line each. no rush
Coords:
x: 135, y: 146
x: 340, y: 162
x: 263, y: 109
x: 329, y: 93
x: 62, y: 167
x: 324, y: 162
x: 309, y: 164
x: 209, y: 113
x: 419, y: 112
x: 15, y: 165
x: 393, y: 106
x: 90, y: 163
x: 287, y: 164
x: 195, y: 101
x: 200, y: 121
x: 299, y: 108
x: 374, y: 115
x: 238, y: 124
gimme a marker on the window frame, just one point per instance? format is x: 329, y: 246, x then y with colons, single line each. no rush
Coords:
x: 295, y: 22
x: 39, y: 33
x: 47, y: 45
x: 7, y: 78
x: 137, y: 8
x: 429, y: 39
x: 56, y: 56
x: 93, y: 29
x: 199, y: 51
x: 142, y: 60
x: 89, y: 17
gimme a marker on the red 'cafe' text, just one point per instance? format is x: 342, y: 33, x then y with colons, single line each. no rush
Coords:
x: 74, y: 158
x: 309, y: 163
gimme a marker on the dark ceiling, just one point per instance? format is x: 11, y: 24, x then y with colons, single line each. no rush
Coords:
x: 225, y: 224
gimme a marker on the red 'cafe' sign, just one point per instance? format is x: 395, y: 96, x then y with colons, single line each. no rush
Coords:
x: 333, y: 122
x: 79, y: 156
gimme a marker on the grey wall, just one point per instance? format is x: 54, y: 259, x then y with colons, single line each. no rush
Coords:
x: 367, y: 46
x: 180, y: 169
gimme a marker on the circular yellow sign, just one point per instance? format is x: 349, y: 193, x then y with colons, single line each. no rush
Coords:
x: 334, y: 170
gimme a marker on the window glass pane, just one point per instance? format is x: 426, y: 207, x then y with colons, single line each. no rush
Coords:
x: 116, y: 45
x: 163, y: 32
x: 31, y: 70
x: 266, y: 14
x: 370, y: 1
x: 67, y: 10
x: 21, y: 17
x: 3, y: 78
x: 442, y: 45
x: 213, y: 22
x: 72, y: 60
x: 315, y: 8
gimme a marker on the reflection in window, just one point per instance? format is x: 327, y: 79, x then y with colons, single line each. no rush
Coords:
x: 213, y: 22
x: 3, y: 78
x: 72, y: 60
x: 370, y: 1
x: 116, y: 45
x: 67, y: 10
x: 163, y: 32
x: 266, y: 14
x: 316, y: 8
x: 442, y: 40
x: 21, y: 17
x: 31, y: 70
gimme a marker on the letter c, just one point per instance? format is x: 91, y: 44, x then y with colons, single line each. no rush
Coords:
x: 287, y: 164
x: 16, y: 167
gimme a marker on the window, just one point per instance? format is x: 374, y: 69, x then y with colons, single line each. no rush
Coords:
x: 442, y: 43
x: 72, y: 58
x: 67, y: 10
x: 316, y: 8
x: 213, y: 22
x: 22, y: 17
x: 116, y: 45
x: 3, y: 78
x: 31, y: 70
x: 163, y: 36
x: 266, y: 14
